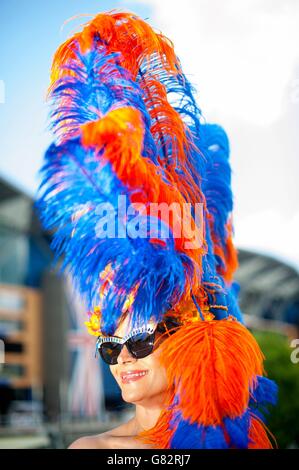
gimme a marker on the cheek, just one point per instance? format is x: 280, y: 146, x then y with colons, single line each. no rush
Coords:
x: 155, y: 382
x: 157, y: 374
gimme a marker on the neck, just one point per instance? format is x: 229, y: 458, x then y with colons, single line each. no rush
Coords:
x: 147, y: 414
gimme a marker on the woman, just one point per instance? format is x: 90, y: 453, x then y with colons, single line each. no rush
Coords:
x: 147, y: 391
x: 136, y: 191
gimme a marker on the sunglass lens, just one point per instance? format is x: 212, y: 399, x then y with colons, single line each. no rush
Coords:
x: 141, y: 345
x: 110, y: 352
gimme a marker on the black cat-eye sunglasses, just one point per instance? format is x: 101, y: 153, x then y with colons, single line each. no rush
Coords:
x: 140, y: 342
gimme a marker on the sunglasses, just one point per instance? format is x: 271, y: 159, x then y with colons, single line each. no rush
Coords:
x: 140, y: 342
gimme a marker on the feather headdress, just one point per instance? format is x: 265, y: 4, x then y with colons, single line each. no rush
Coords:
x: 130, y: 144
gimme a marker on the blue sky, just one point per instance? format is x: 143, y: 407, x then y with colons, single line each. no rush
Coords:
x: 30, y: 32
x: 243, y: 58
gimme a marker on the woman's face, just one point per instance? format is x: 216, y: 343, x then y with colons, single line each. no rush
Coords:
x: 148, y: 387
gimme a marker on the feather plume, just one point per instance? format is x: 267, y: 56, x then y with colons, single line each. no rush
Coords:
x: 128, y: 133
x: 104, y: 144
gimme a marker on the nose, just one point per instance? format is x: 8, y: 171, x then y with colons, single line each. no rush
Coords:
x: 125, y: 356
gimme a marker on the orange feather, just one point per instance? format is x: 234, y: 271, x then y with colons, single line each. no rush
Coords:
x: 214, y: 365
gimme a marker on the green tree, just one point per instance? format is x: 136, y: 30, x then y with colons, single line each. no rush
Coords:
x: 283, y: 420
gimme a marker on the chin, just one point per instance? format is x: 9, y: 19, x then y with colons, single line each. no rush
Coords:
x: 133, y: 397
x: 133, y: 394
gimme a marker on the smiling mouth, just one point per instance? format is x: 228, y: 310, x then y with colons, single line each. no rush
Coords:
x: 128, y: 377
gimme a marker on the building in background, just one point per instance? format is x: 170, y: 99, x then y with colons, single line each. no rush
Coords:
x: 269, y: 294
x: 50, y: 372
x: 24, y: 255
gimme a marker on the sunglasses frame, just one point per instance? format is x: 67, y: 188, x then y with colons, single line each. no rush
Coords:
x: 150, y: 329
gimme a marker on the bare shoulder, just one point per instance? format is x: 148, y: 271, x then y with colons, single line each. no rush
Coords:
x: 99, y: 441
x: 120, y: 437
x: 104, y: 440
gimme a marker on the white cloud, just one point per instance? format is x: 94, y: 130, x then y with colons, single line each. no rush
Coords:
x: 270, y: 232
x: 240, y: 55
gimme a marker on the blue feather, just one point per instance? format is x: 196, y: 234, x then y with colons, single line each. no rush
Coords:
x: 264, y: 395
x: 238, y: 430
x: 193, y: 436
x: 216, y: 183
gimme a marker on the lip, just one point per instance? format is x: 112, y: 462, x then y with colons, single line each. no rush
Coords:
x: 130, y: 375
